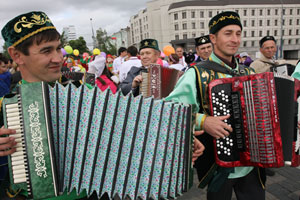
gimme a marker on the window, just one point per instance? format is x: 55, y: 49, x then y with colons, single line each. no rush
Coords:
x: 298, y: 11
x: 245, y: 33
x: 260, y: 33
x: 291, y: 11
x: 283, y: 21
x: 268, y: 32
x: 193, y: 25
x: 297, y: 41
x: 268, y: 12
x: 209, y: 13
x: 176, y: 27
x: 184, y: 26
x: 260, y: 22
x: 290, y: 41
x: 193, y: 14
x: 201, y: 14
x: 291, y: 21
x: 193, y: 35
x: 253, y: 12
x: 252, y: 23
x: 252, y: 33
x: 260, y: 12
x: 175, y: 16
x: 245, y: 23
x: 283, y: 11
x: 245, y: 12
x: 185, y: 36
x: 276, y: 22
x: 268, y: 22
x: 237, y: 11
x: 252, y: 44
x: 245, y: 44
x: 290, y: 32
x: 298, y: 21
x: 201, y: 24
x: 276, y: 11
x: 184, y: 15
x: 275, y: 32
x: 282, y: 32
x: 297, y: 31
x: 176, y: 37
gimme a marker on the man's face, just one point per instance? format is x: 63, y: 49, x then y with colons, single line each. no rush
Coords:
x: 123, y: 54
x: 148, y: 56
x: 43, y: 62
x: 204, y: 50
x: 179, y: 52
x: 3, y: 67
x: 227, y: 40
x: 268, y: 49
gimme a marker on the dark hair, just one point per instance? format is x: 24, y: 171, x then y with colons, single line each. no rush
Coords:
x: 3, y: 59
x: 121, y: 50
x: 45, y: 36
x: 174, y: 58
x: 132, y: 50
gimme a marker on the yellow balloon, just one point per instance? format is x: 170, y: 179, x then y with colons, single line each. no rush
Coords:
x: 96, y: 51
x: 168, y: 50
x: 76, y: 52
x: 68, y: 49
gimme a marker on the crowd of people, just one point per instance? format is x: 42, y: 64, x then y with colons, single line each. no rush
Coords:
x: 36, y: 53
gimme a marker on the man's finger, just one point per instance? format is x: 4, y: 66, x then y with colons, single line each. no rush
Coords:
x: 8, y: 152
x: 8, y: 145
x: 4, y: 131
x: 4, y: 140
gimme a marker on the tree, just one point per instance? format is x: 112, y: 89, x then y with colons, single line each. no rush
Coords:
x: 63, y: 39
x: 79, y: 44
x: 104, y: 42
x: 5, y: 52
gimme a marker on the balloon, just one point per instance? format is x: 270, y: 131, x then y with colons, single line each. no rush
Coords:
x: 85, y: 55
x: 96, y: 51
x: 76, y: 52
x: 68, y: 49
x: 103, y: 54
x: 162, y: 54
x: 168, y: 50
x: 63, y: 51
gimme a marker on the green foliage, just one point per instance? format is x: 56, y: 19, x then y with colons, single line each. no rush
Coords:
x: 104, y: 42
x: 79, y: 44
x: 63, y: 39
x: 5, y: 52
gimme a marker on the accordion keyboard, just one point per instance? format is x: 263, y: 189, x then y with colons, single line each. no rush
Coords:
x: 144, y: 85
x: 18, y: 158
x: 224, y: 102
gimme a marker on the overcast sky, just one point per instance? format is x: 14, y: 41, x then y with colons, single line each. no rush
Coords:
x: 111, y: 15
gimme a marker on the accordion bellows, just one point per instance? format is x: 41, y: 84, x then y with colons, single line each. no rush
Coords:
x: 94, y: 141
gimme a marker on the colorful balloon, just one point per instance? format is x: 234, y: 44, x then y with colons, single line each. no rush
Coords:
x: 103, y: 54
x: 168, y: 50
x: 85, y: 55
x: 63, y: 51
x: 96, y: 51
x: 75, y: 52
x: 68, y: 49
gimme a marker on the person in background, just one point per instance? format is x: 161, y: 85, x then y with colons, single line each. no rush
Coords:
x: 109, y: 62
x: 268, y: 50
x: 179, y: 51
x: 203, y: 48
x: 122, y: 52
x: 173, y: 61
x: 5, y: 76
x: 245, y: 59
x: 132, y: 61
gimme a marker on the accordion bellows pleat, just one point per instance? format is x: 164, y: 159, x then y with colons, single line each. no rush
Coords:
x: 94, y: 141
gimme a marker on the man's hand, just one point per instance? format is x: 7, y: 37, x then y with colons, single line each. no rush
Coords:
x: 137, y: 81
x: 298, y: 125
x: 198, y: 149
x: 216, y: 127
x: 7, y: 144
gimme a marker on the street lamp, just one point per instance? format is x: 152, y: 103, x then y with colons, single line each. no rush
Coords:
x: 281, y: 31
x: 93, y: 35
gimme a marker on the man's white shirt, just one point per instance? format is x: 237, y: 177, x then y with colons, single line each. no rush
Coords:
x: 117, y: 64
x: 126, y: 66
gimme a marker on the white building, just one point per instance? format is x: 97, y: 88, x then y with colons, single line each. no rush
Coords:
x: 70, y: 32
x: 121, y: 38
x: 179, y: 22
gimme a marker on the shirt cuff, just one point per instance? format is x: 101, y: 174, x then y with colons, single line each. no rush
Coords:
x: 200, y: 118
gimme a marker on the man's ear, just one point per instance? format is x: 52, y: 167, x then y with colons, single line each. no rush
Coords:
x: 15, y: 55
x: 212, y: 38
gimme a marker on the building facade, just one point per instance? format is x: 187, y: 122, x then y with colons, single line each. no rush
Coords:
x: 179, y: 22
x: 121, y: 38
x: 70, y: 32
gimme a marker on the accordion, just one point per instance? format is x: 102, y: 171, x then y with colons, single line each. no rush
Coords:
x: 262, y: 113
x: 159, y: 81
x: 92, y: 141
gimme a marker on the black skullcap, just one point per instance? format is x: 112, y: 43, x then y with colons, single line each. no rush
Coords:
x: 202, y: 40
x: 266, y: 38
x: 224, y: 19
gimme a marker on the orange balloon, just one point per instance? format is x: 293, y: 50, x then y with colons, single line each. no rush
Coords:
x: 168, y: 50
